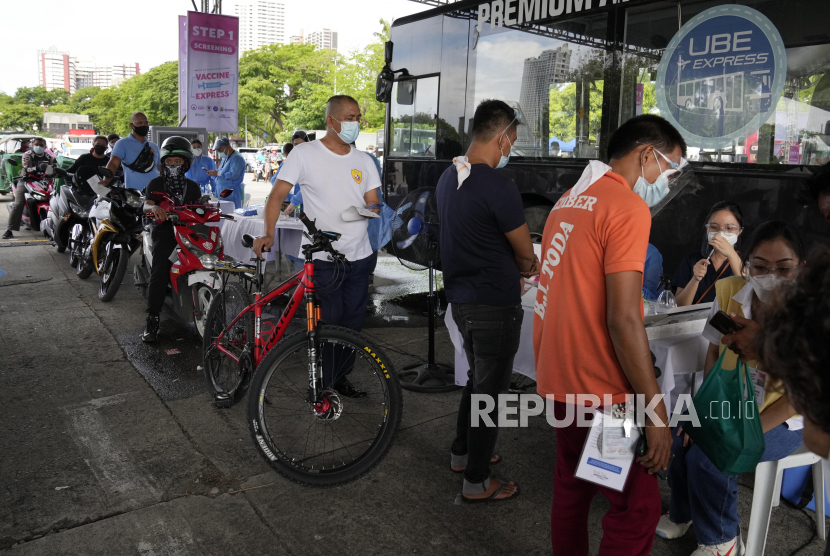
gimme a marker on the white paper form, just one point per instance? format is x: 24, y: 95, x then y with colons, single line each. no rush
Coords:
x: 100, y: 190
x: 357, y: 213
x: 610, y: 473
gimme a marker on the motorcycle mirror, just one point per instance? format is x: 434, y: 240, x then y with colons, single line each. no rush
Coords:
x: 104, y: 172
x: 13, y: 162
x: 226, y: 193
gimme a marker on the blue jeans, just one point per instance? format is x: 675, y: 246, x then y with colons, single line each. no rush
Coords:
x: 701, y: 493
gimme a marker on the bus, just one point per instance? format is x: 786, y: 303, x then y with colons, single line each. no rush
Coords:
x: 582, y: 74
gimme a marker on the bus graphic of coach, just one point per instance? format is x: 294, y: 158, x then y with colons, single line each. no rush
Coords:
x: 725, y: 92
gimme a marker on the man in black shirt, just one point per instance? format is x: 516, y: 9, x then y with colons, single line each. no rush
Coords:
x: 176, y: 158
x: 485, y: 250
x: 96, y: 158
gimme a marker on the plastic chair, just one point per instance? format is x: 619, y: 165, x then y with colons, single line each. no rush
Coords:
x: 246, y: 199
x: 767, y: 493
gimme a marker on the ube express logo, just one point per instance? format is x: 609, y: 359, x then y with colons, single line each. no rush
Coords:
x: 722, y: 76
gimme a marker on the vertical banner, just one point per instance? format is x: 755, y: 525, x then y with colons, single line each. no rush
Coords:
x: 638, y: 100
x: 212, y: 72
x: 182, y: 67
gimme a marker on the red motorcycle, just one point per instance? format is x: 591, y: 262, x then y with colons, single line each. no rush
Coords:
x: 192, y: 277
x: 40, y: 187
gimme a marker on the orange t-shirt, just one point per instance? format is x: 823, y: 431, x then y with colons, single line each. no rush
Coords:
x: 603, y: 231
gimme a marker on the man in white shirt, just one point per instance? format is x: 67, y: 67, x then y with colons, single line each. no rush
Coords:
x: 333, y: 177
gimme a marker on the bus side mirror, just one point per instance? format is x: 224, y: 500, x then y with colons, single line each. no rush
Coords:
x: 383, y: 89
x: 387, y: 52
x: 406, y: 92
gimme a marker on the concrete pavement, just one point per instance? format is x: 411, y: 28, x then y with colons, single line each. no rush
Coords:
x: 113, y: 447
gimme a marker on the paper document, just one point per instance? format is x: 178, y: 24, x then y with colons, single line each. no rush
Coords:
x: 100, y: 190
x: 594, y: 468
x: 357, y: 213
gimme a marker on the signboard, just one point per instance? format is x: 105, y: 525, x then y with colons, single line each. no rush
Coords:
x: 795, y: 154
x: 182, y: 67
x: 721, y: 76
x: 502, y: 13
x: 212, y: 72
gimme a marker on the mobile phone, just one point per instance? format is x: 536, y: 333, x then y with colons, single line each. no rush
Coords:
x: 724, y: 324
x: 642, y: 449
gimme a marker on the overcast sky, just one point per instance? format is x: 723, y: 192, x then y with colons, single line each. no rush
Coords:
x: 144, y: 31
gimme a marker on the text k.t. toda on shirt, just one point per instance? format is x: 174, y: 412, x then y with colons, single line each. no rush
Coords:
x: 602, y: 231
x: 331, y: 183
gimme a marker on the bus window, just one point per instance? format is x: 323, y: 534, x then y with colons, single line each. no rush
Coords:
x: 414, y: 112
x: 557, y: 84
x: 720, y: 103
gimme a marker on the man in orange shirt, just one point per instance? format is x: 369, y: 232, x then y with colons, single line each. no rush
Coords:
x: 588, y: 333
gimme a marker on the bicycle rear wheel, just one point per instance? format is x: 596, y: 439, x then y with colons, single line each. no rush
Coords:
x: 339, y: 439
x: 223, y: 374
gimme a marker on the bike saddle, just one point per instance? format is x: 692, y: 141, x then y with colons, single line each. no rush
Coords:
x: 247, y: 241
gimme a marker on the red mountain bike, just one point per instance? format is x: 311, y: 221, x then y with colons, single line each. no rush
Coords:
x: 301, y: 423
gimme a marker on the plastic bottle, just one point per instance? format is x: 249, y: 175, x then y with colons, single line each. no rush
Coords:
x: 296, y: 212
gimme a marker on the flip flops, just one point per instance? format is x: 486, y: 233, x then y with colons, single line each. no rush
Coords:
x: 492, y: 497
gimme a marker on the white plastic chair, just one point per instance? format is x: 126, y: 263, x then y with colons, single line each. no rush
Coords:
x: 247, y: 199
x: 767, y: 493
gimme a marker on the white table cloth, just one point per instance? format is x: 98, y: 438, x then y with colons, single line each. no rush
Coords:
x: 227, y: 207
x: 678, y: 357
x: 288, y: 234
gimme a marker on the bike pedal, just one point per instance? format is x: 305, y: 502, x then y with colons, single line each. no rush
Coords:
x: 222, y: 401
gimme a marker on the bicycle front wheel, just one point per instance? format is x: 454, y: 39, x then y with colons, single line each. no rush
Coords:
x: 339, y: 438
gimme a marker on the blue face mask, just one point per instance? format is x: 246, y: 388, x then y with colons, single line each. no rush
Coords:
x: 222, y: 155
x: 349, y: 131
x: 653, y: 193
x: 504, y: 159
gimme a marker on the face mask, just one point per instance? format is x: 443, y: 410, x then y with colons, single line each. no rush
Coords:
x: 731, y: 238
x: 38, y: 149
x: 349, y: 131
x: 141, y: 130
x: 763, y: 286
x: 112, y: 145
x: 505, y: 159
x: 653, y: 193
x: 197, y: 152
x: 100, y: 149
x: 175, y: 170
x: 222, y: 155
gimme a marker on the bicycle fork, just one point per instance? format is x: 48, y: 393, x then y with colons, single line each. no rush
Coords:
x: 315, y: 359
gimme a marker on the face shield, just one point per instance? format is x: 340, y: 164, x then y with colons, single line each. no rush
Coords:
x: 681, y: 180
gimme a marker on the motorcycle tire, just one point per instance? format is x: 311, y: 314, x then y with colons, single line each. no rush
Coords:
x: 120, y: 262
x: 83, y: 268
x: 223, y: 376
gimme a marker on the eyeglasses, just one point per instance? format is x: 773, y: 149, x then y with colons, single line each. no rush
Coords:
x: 761, y: 269
x: 674, y: 165
x: 729, y: 228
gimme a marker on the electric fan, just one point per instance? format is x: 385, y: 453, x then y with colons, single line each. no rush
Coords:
x: 415, y: 243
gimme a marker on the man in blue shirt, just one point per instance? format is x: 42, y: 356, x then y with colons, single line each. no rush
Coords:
x: 199, y: 169
x: 653, y: 271
x: 138, y: 156
x: 231, y: 170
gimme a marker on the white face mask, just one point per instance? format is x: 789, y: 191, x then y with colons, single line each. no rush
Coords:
x: 731, y: 238
x: 763, y: 286
x: 197, y: 152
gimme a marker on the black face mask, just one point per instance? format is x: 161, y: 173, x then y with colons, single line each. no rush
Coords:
x: 99, y: 149
x: 141, y: 130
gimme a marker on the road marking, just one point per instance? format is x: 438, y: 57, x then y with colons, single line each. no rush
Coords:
x: 107, y: 458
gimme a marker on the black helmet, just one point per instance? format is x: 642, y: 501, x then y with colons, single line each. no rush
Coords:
x: 177, y: 146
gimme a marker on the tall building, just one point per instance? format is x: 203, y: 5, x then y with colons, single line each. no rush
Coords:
x: 59, y: 70
x: 56, y: 70
x: 552, y: 66
x: 323, y: 39
x: 261, y: 22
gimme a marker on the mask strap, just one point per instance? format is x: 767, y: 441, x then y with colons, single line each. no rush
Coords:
x: 643, y: 166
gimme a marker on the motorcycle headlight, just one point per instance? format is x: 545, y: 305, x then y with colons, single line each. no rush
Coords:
x: 197, y: 251
x: 38, y: 196
x: 77, y: 209
x: 133, y: 198
x: 208, y: 261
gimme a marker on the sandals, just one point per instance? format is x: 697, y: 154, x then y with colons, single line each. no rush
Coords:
x: 492, y: 497
x: 498, y: 461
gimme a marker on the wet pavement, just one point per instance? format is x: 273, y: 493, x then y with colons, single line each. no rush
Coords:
x: 110, y: 446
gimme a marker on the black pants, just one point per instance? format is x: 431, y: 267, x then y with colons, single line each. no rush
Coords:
x: 491, y: 339
x: 164, y: 244
x: 16, y: 215
x: 343, y: 291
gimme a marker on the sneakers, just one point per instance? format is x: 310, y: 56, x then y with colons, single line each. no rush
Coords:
x: 151, y: 331
x: 668, y: 529
x: 729, y: 548
x: 347, y: 389
x: 8, y: 235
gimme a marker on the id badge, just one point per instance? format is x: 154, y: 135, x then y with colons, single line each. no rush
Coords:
x: 759, y: 382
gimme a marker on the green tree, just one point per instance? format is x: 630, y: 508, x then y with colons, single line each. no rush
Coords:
x: 82, y: 99
x: 40, y: 96
x: 21, y: 116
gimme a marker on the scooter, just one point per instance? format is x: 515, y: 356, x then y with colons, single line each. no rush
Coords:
x: 70, y: 207
x: 39, y: 189
x: 259, y: 171
x: 113, y: 234
x: 192, y: 279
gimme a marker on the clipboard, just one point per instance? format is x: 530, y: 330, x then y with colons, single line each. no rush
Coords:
x: 592, y: 467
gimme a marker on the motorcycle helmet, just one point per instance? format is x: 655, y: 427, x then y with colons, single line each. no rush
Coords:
x: 177, y: 146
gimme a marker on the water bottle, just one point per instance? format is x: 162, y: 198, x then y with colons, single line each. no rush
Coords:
x: 296, y: 212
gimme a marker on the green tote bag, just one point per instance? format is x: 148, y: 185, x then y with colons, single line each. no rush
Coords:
x: 730, y: 432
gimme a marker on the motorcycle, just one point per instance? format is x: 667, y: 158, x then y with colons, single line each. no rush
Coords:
x: 39, y: 189
x: 259, y: 171
x: 192, y: 279
x: 70, y: 207
x: 113, y: 234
